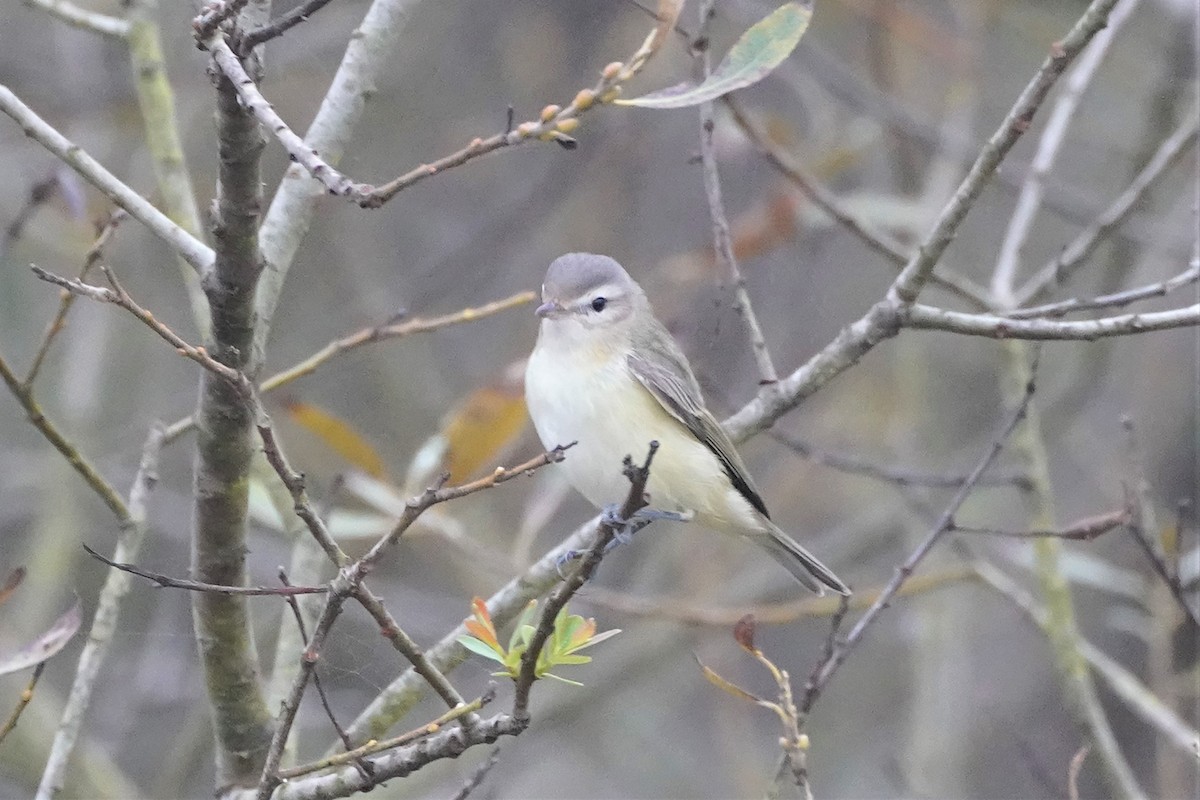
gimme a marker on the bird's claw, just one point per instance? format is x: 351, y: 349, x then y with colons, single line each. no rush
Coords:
x: 560, y: 563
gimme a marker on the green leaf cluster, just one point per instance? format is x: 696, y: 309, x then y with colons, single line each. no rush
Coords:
x: 572, y: 633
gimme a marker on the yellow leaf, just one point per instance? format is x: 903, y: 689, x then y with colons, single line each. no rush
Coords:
x: 483, y: 424
x: 339, y: 436
x: 726, y: 686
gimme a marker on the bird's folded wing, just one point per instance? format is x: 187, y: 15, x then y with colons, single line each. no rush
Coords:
x: 668, y: 378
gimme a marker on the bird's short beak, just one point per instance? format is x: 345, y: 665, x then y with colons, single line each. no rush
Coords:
x: 551, y: 308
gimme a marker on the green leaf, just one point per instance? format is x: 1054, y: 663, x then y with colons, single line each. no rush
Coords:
x: 568, y: 658
x: 597, y: 639
x: 760, y: 50
x: 480, y: 648
x: 561, y: 679
x: 523, y: 622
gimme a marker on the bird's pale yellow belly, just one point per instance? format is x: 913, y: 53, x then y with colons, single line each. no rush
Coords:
x: 600, y: 405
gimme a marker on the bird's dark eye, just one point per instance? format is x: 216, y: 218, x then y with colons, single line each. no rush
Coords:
x: 599, y: 304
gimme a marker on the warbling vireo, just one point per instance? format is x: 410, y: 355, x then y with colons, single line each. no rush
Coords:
x: 605, y: 373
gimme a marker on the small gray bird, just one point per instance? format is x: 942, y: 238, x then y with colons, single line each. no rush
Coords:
x: 606, y: 374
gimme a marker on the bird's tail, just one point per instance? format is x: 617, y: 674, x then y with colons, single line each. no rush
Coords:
x: 803, y: 565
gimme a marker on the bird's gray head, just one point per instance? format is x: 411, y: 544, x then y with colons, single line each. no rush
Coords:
x: 588, y: 290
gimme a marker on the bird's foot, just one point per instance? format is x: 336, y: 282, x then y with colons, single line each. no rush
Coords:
x: 623, y: 529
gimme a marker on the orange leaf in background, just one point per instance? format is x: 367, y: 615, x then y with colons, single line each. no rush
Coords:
x: 339, y: 436
x: 483, y: 424
x: 11, y: 583
x: 481, y: 627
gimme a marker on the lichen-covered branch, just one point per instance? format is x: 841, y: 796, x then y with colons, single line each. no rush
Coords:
x: 224, y: 446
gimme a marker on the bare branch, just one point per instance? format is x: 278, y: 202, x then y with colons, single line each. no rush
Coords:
x: 607, y: 530
x: 472, y: 783
x: 882, y: 320
x: 279, y: 26
x: 837, y: 655
x: 1029, y: 202
x: 294, y: 482
x: 901, y: 477
x: 426, y: 730
x: 435, y: 495
x: 1123, y: 683
x: 722, y: 240
x: 831, y: 204
x: 290, y: 214
x: 298, y: 616
x: 90, y: 259
x: 930, y: 318
x: 917, y: 271
x: 1083, y: 530
x: 23, y: 700
x: 349, y: 583
x: 82, y: 18
x: 1115, y: 300
x: 168, y: 582
x: 408, y: 648
x: 1081, y: 248
x: 105, y: 620
x: 387, y: 331
x: 191, y: 249
x: 69, y: 451
x: 119, y: 297
x: 1142, y: 524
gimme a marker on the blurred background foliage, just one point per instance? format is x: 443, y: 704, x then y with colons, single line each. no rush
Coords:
x: 954, y: 695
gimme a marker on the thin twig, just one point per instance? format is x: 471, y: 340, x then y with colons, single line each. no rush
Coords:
x: 920, y: 266
x: 435, y: 495
x: 685, y: 610
x: 472, y: 783
x: 191, y: 249
x: 1081, y: 248
x: 1029, y: 202
x: 923, y: 317
x: 38, y: 195
x: 1142, y: 524
x: 387, y: 331
x: 398, y: 698
x: 607, y: 530
x: 553, y: 124
x: 896, y: 475
x: 106, y: 620
x: 404, y: 644
x: 279, y: 26
x: 298, y: 615
x: 1083, y: 530
x: 1123, y: 683
x: 1073, y: 771
x: 882, y: 320
x: 358, y: 753
x: 22, y: 701
x: 166, y: 581
x: 90, y: 259
x: 294, y: 481
x: 831, y: 204
x: 349, y: 584
x: 399, y: 762
x: 69, y: 451
x: 83, y: 18
x: 834, y: 659
x: 722, y: 240
x: 1115, y: 300
x: 119, y: 297
x: 289, y: 217
x: 339, y: 589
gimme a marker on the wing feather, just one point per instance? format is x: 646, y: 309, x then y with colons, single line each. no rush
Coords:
x: 661, y: 367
